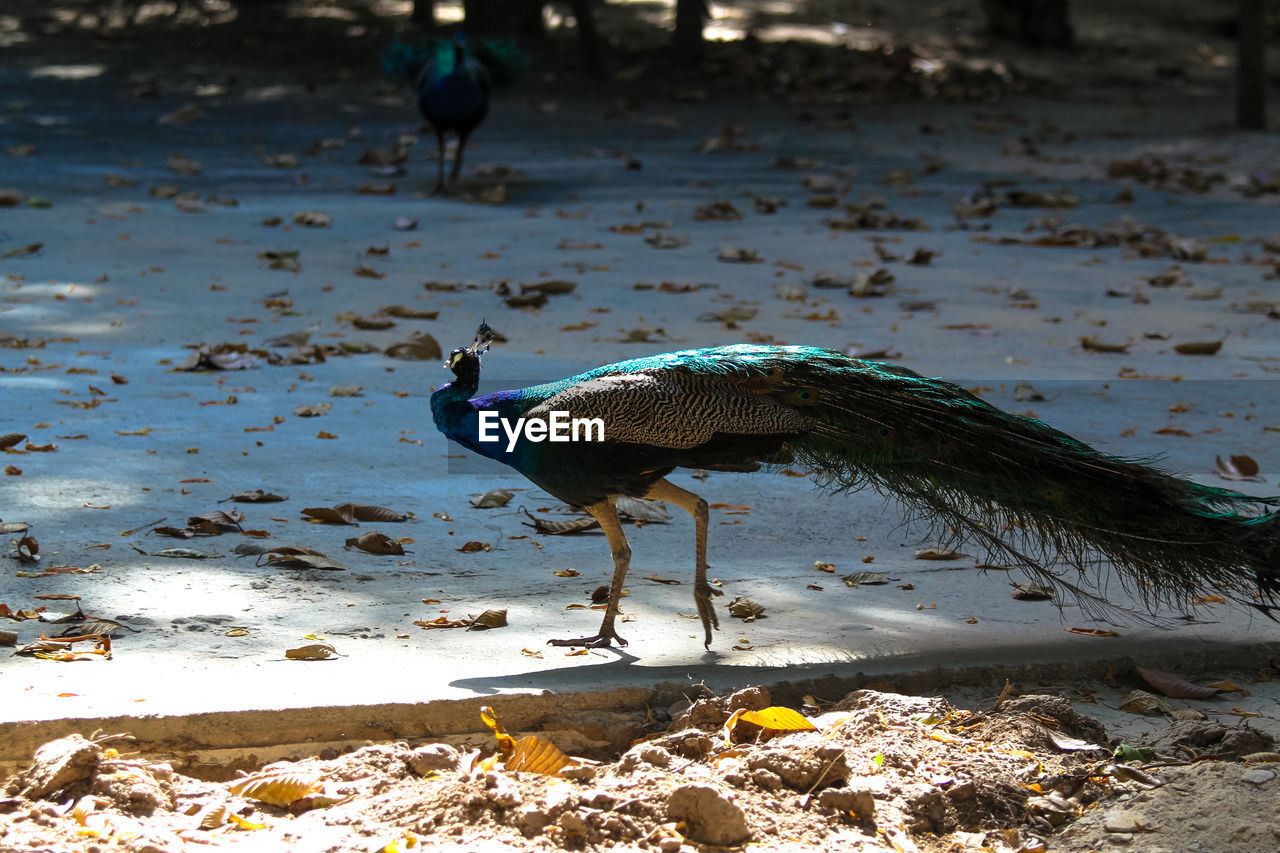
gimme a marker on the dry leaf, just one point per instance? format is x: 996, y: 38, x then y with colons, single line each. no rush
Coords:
x: 298, y: 557
x: 1092, y: 344
x: 1198, y: 348
x: 405, y: 312
x: 772, y: 719
x: 1234, y: 468
x: 365, y: 512
x: 256, y: 496
x: 549, y: 288
x: 1092, y: 632
x: 865, y: 578
x: 530, y: 754
x: 277, y: 789
x: 1031, y: 592
x: 1175, y: 686
x: 745, y: 609
x: 420, y: 346
x: 1142, y: 702
x: 493, y: 498
x: 938, y: 554
x: 642, y: 510
x: 556, y: 528
x: 315, y: 651
x: 374, y: 542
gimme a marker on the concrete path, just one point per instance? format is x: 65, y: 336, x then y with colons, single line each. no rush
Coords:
x: 124, y: 284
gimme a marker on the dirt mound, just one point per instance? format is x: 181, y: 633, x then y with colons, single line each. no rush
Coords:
x: 880, y: 771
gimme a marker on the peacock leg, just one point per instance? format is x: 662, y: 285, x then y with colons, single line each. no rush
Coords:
x: 440, y: 187
x: 457, y: 157
x: 697, y: 507
x: 605, y: 513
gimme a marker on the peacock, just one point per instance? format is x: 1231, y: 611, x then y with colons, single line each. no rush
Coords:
x: 1027, y: 493
x: 453, y: 87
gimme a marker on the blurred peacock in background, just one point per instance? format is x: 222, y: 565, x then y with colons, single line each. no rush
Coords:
x: 1027, y: 493
x: 453, y: 79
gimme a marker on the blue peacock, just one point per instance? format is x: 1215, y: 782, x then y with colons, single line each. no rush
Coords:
x: 1024, y: 491
x: 453, y: 83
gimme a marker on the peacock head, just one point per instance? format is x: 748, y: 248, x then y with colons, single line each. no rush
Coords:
x: 465, y: 361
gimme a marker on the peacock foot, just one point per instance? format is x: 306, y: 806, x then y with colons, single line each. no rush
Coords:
x: 604, y: 639
x: 702, y: 594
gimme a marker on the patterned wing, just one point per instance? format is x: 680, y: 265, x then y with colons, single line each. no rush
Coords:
x: 674, y: 407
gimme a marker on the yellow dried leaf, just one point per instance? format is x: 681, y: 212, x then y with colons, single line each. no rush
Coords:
x: 315, y: 651
x: 779, y: 719
x: 530, y: 754
x: 243, y: 823
x: 277, y: 789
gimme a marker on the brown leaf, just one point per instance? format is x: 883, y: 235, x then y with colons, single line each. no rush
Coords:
x: 1092, y: 344
x: 364, y: 512
x: 256, y: 496
x: 22, y: 251
x: 315, y: 651
x: 216, y: 522
x: 12, y: 439
x: 407, y: 313
x: 938, y: 554
x: 419, y: 347
x: 1237, y: 468
x: 374, y: 542
x: 1198, y: 348
x: 533, y: 299
x: 298, y: 557
x: 329, y: 515
x: 1031, y: 592
x: 1175, y: 686
x: 372, y: 324
x: 865, y: 578
x: 493, y: 498
x: 550, y: 288
x: 473, y: 547
x: 557, y: 528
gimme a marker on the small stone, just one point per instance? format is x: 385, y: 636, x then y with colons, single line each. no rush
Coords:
x: 766, y: 779
x: 856, y: 800
x: 531, y: 819
x: 711, y: 813
x: 432, y: 757
x: 572, y: 824
x: 1257, y: 776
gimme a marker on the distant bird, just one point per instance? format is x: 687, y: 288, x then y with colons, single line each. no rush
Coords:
x: 1027, y: 493
x: 453, y: 95
x: 452, y: 85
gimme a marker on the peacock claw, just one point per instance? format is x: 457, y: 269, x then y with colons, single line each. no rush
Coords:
x: 603, y: 640
x: 702, y: 596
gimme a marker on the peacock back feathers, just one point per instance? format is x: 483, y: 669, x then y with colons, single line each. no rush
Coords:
x: 503, y: 58
x: 1032, y: 496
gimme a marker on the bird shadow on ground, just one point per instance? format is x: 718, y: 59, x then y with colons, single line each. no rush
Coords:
x: 589, y: 676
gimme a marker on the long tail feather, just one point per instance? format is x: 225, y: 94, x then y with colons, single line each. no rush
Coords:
x: 1031, y: 494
